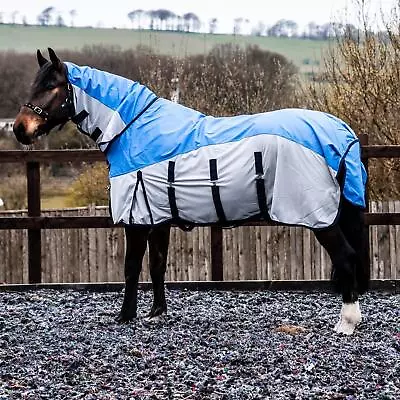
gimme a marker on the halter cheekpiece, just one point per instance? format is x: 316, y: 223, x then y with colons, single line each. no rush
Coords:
x: 68, y: 104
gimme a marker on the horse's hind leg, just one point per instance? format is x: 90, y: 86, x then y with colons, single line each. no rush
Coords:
x: 351, y: 222
x: 344, y: 262
x: 136, y: 242
x: 158, y: 252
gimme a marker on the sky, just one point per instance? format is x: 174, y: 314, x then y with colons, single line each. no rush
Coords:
x: 114, y: 13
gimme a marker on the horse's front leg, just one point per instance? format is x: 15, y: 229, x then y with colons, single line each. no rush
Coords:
x: 136, y: 241
x: 158, y: 252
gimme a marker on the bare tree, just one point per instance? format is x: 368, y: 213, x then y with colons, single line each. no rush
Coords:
x: 44, y: 18
x: 191, y: 22
x: 360, y: 83
x: 237, y: 26
x: 212, y: 25
x: 72, y: 14
x: 131, y: 15
x: 136, y: 16
x: 284, y: 28
x: 259, y: 29
x: 165, y: 16
x: 60, y: 20
x: 14, y: 16
x: 154, y: 19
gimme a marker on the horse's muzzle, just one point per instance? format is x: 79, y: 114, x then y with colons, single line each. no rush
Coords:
x: 20, y: 134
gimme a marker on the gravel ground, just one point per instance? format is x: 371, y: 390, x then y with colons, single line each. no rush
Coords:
x: 212, y: 345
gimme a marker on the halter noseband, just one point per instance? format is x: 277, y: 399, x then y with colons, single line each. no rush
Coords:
x: 38, y: 110
x: 68, y: 104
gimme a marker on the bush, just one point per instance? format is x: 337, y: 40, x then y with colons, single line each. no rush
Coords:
x: 90, y: 187
x: 13, y: 192
x: 231, y: 80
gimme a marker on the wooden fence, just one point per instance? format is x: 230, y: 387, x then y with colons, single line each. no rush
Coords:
x: 215, y: 247
x: 249, y: 252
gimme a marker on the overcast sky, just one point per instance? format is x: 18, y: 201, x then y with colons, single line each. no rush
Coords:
x: 114, y: 13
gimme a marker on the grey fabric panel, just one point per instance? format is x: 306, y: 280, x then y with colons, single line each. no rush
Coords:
x: 300, y: 188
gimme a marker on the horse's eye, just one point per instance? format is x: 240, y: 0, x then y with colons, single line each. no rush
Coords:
x: 50, y: 86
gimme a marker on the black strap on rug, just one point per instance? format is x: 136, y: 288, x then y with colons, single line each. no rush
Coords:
x: 260, y: 184
x: 96, y: 134
x: 78, y: 118
x: 215, y: 191
x: 139, y: 179
x: 171, y: 190
x: 133, y: 200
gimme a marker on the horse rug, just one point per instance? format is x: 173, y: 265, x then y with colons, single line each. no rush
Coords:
x: 170, y: 163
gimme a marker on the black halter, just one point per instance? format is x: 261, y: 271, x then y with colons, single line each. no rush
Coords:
x: 67, y: 106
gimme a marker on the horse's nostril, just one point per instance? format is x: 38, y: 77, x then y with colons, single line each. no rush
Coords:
x: 19, y: 129
x: 20, y: 133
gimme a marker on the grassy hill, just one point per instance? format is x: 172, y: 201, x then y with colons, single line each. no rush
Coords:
x: 303, y: 52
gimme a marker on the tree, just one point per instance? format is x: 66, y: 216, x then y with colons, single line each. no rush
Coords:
x: 312, y: 30
x: 212, y: 25
x: 131, y: 16
x: 191, y: 22
x: 60, y: 20
x: 284, y: 28
x: 136, y: 15
x: 14, y: 16
x: 164, y: 16
x: 259, y: 29
x: 153, y: 16
x: 237, y: 26
x: 179, y: 23
x: 72, y: 14
x: 44, y: 18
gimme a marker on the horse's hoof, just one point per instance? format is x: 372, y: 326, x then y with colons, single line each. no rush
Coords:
x: 344, y: 327
x: 123, y: 318
x: 350, y: 317
x: 154, y: 319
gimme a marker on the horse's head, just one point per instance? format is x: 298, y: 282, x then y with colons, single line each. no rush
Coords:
x: 50, y: 102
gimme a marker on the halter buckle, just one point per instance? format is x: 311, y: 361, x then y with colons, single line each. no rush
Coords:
x: 37, y: 110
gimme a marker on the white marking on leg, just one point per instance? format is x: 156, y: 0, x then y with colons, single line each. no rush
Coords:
x: 156, y: 319
x: 350, y: 317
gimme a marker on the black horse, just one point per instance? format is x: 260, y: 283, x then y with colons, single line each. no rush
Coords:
x: 97, y: 102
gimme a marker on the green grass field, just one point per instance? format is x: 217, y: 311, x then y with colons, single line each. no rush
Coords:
x: 302, y: 52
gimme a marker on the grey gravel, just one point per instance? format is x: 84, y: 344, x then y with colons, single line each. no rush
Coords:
x: 212, y: 345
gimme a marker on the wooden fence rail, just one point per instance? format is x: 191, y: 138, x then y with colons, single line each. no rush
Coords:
x: 266, y: 253
x: 35, y: 221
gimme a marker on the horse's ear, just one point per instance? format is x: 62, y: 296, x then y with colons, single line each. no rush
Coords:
x: 40, y: 58
x: 55, y: 60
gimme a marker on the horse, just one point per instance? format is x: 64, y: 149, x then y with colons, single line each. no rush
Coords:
x: 169, y: 164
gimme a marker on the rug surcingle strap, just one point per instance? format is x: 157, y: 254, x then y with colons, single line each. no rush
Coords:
x: 78, y: 118
x: 96, y: 134
x: 171, y: 190
x: 260, y: 183
x: 139, y: 180
x: 215, y: 191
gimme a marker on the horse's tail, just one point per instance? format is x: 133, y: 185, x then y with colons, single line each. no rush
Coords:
x: 351, y: 222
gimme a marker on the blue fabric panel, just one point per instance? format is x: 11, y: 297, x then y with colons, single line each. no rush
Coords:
x: 122, y: 95
x: 168, y: 129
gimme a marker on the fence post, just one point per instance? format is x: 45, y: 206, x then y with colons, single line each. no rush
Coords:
x: 363, y: 137
x: 34, y: 235
x: 217, y: 266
